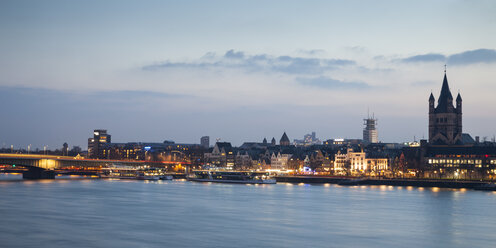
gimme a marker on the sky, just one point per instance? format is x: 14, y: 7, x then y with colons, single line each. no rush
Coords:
x: 239, y: 70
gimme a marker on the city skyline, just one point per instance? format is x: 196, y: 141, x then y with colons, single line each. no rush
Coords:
x: 239, y: 73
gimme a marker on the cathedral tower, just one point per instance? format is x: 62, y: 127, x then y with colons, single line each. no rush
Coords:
x: 445, y: 120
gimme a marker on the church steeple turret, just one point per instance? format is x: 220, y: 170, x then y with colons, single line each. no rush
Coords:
x: 431, y: 103
x: 459, y: 98
x: 459, y: 103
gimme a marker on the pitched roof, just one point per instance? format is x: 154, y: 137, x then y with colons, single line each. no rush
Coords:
x: 226, y: 145
x: 284, y: 138
x: 444, y: 98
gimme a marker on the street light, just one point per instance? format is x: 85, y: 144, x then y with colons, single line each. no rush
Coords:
x: 29, y: 148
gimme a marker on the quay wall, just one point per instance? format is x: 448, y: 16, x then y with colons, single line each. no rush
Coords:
x: 392, y: 182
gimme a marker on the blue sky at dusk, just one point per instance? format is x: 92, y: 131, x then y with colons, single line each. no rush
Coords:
x: 239, y: 71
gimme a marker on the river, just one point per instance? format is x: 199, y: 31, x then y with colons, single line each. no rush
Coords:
x: 79, y: 212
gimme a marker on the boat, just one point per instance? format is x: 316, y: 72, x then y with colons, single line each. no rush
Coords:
x: 486, y: 187
x: 221, y: 176
x: 118, y: 172
x: 166, y: 177
x: 146, y: 175
x: 351, y: 182
x: 128, y: 172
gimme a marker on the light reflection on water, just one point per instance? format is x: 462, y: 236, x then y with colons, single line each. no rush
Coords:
x: 129, y: 213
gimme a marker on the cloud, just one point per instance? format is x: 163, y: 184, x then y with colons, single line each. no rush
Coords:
x: 312, y: 52
x: 126, y: 94
x: 463, y: 58
x: 330, y: 83
x: 259, y: 62
x: 432, y: 57
x: 473, y: 57
x: 231, y: 54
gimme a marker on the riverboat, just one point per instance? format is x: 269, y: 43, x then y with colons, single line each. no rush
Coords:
x: 166, y: 177
x: 217, y: 176
x: 128, y: 172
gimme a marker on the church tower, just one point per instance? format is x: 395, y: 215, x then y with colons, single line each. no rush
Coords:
x: 445, y: 120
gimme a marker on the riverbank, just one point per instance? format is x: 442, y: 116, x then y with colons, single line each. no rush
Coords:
x: 389, y: 182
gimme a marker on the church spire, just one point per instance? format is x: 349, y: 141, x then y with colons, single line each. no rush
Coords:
x: 445, y: 100
x: 445, y: 91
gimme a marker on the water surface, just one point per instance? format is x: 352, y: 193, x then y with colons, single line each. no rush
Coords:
x: 127, y: 213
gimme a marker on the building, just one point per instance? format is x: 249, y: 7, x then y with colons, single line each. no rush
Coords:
x: 243, y: 161
x: 284, y: 141
x: 222, y: 155
x: 370, y: 130
x: 65, y: 149
x: 445, y: 120
x: 341, y: 163
x: 360, y: 163
x: 279, y: 161
x: 96, y: 144
x: 342, y: 142
x: 459, y: 162
x: 205, y: 141
x: 308, y: 139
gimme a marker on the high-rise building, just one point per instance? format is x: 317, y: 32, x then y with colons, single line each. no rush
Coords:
x: 205, y: 141
x: 95, y: 144
x: 370, y: 131
x: 445, y: 121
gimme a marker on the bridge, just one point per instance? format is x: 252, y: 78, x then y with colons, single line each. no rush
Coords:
x: 44, y: 166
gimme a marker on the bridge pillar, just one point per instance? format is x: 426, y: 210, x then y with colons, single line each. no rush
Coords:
x: 38, y: 173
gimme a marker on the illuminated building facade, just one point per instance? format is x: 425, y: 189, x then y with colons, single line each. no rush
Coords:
x: 96, y: 144
x: 279, y: 161
x: 360, y: 163
x: 222, y: 155
x: 474, y: 162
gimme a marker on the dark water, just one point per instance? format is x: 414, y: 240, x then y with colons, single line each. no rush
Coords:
x: 117, y: 213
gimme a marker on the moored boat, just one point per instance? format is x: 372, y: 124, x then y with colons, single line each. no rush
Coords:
x: 486, y: 187
x: 351, y: 182
x: 128, y: 172
x: 166, y: 177
x: 219, y: 176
